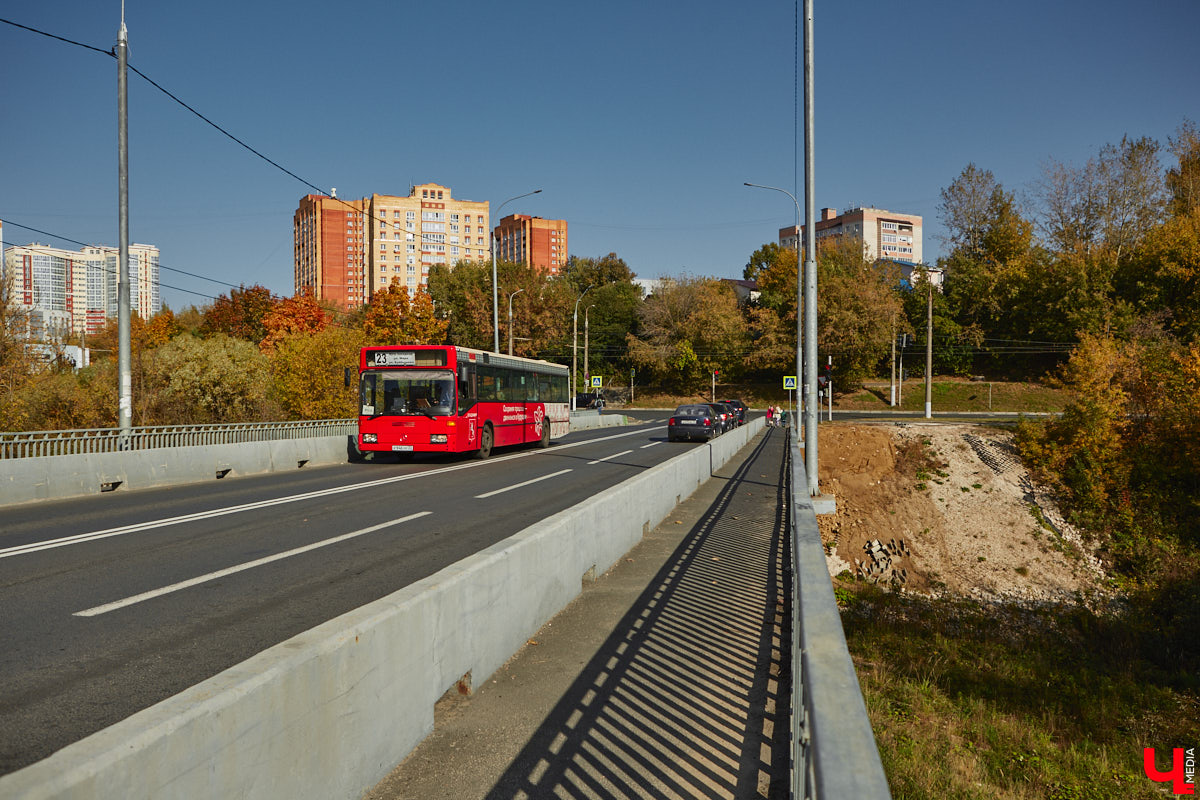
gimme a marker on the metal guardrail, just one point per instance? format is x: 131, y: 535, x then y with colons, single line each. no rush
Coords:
x: 34, y: 444
x: 834, y: 754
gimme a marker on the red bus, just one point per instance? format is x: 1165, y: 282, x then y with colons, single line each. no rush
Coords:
x: 446, y: 399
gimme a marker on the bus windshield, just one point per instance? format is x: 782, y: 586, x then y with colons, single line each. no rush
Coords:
x: 410, y: 392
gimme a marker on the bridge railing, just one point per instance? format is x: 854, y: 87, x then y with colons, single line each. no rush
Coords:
x: 34, y: 444
x: 834, y: 753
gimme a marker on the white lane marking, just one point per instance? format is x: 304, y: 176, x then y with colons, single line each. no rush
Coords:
x: 79, y: 538
x: 212, y: 576
x: 606, y: 458
x: 652, y: 444
x: 523, y: 483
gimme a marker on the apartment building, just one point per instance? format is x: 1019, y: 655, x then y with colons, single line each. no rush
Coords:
x: 541, y: 243
x: 883, y: 233
x: 72, y: 292
x: 348, y: 249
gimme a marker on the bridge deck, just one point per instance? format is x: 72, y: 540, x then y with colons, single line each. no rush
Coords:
x: 668, y: 677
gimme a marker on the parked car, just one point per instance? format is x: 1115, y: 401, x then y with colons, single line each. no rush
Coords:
x: 693, y: 421
x: 728, y: 415
x: 740, y: 408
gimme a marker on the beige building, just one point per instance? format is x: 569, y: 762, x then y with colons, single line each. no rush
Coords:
x: 346, y: 250
x: 884, y: 234
x: 69, y: 292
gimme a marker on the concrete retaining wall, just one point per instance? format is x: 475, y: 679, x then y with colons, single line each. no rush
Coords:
x: 328, y: 713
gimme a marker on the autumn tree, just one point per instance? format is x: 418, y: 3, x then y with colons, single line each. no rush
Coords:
x: 393, y: 318
x: 293, y: 315
x: 239, y: 314
x: 309, y: 370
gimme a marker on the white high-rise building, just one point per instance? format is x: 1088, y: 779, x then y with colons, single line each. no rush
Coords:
x: 69, y: 292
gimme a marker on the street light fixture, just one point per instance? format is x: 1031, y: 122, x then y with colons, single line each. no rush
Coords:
x: 510, y: 330
x: 575, y: 344
x: 495, y: 289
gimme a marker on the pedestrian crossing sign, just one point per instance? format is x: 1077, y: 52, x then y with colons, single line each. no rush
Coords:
x: 597, y: 381
x: 789, y: 382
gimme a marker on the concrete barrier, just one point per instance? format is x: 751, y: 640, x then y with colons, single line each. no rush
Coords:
x: 24, y: 480
x: 328, y: 713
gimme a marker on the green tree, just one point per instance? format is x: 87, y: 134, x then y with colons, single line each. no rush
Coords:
x: 462, y: 295
x: 689, y: 327
x: 762, y: 260
x: 856, y: 306
x: 218, y: 379
x: 1183, y: 179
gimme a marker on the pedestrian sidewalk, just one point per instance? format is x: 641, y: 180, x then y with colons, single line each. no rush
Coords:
x: 667, y: 677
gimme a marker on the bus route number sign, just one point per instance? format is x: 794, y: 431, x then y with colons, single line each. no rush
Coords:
x: 393, y: 358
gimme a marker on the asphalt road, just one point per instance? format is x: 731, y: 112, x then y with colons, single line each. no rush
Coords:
x: 115, y: 602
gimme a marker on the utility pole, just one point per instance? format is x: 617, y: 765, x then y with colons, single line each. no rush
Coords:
x: 892, y: 381
x: 810, y: 263
x: 929, y: 352
x: 124, y: 360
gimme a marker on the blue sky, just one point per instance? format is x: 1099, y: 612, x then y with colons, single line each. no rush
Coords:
x: 639, y: 121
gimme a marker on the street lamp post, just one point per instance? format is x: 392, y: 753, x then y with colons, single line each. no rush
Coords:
x: 575, y: 344
x: 510, y: 330
x: 799, y: 294
x: 495, y: 289
x: 586, y: 372
x: 929, y: 344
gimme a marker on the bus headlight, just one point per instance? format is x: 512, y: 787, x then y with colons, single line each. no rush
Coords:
x: 437, y: 438
x: 370, y: 438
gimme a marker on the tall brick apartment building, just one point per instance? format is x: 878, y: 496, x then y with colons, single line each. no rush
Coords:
x: 347, y: 249
x: 541, y: 243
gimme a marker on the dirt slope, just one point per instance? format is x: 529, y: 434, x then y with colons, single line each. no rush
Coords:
x: 973, y: 524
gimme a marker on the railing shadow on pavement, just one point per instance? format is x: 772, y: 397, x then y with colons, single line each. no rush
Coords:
x: 688, y: 696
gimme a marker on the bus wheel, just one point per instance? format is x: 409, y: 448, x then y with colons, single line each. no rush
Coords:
x: 545, y: 442
x: 485, y: 442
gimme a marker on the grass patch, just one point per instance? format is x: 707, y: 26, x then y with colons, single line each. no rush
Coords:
x: 996, y: 701
x: 951, y: 394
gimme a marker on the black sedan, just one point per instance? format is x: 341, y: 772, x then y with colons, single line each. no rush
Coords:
x: 694, y: 421
x: 727, y: 414
x: 740, y: 408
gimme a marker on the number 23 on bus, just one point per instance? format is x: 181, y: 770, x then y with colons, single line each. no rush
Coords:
x: 445, y: 399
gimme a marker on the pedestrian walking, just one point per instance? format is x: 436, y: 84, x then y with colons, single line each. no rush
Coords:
x: 770, y: 416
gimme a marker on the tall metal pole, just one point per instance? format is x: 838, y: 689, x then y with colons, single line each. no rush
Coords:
x: 799, y: 299
x: 125, y: 381
x: 495, y: 285
x: 586, y: 371
x: 510, y: 331
x: 575, y: 346
x: 929, y: 355
x: 810, y: 264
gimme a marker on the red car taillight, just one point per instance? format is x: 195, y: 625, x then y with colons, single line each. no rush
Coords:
x: 707, y: 421
x: 672, y: 422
